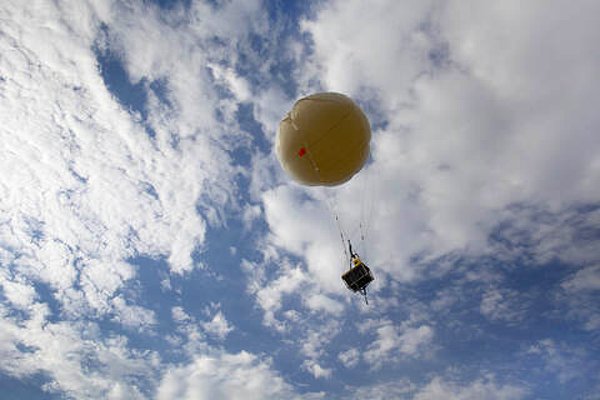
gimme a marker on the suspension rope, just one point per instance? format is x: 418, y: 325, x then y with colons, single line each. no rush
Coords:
x: 366, y: 205
x: 332, y: 205
x: 343, y: 239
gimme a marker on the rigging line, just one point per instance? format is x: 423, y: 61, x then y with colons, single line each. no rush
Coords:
x: 369, y: 208
x: 362, y: 221
x: 343, y: 242
x: 343, y: 234
x: 362, y: 205
x: 332, y: 205
x: 363, y: 193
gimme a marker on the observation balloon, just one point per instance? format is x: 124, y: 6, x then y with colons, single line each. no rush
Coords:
x: 323, y: 140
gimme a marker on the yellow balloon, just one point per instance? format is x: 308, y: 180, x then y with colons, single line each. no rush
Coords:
x: 323, y: 140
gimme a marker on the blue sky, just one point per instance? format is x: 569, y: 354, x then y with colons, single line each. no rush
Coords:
x: 151, y: 247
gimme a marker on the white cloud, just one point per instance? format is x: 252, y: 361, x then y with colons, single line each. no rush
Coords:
x: 349, y: 358
x: 77, y: 361
x: 398, y: 389
x: 287, y: 282
x: 346, y: 57
x: 218, y: 326
x: 100, y: 281
x: 503, y: 305
x: 224, y: 376
x: 394, y: 342
x: 251, y: 214
x: 20, y: 294
x: 482, y: 109
x: 486, y: 388
x: 586, y: 279
x: 316, y: 370
x: 235, y: 83
x: 445, y: 299
x: 192, y: 334
x: 475, y: 112
x: 413, y: 340
x: 84, y: 188
x: 538, y: 235
x: 565, y: 362
x: 295, y: 220
x: 131, y: 315
x: 77, y: 196
x: 83, y: 167
x: 179, y: 315
x: 314, y: 341
x: 304, y: 227
x: 440, y: 388
x: 317, y: 337
x: 579, y: 292
x: 322, y: 303
x: 269, y: 297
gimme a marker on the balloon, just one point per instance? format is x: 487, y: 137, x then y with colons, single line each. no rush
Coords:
x: 323, y: 140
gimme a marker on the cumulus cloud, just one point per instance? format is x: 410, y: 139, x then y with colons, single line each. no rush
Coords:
x: 224, y: 376
x: 458, y: 143
x: 218, y: 326
x: 132, y: 315
x: 20, y: 294
x: 345, y: 56
x: 314, y: 344
x: 316, y: 330
x: 179, y: 315
x: 270, y: 297
x: 393, y: 342
x: 322, y: 303
x: 305, y: 227
x: 316, y: 370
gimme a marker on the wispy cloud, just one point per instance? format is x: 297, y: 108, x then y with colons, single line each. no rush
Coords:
x: 482, y: 388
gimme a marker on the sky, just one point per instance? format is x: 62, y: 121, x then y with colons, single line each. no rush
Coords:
x: 151, y: 246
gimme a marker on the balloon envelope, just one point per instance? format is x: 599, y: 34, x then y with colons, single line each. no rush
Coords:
x: 323, y: 140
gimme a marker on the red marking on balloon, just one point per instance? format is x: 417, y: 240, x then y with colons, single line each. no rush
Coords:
x: 301, y: 152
